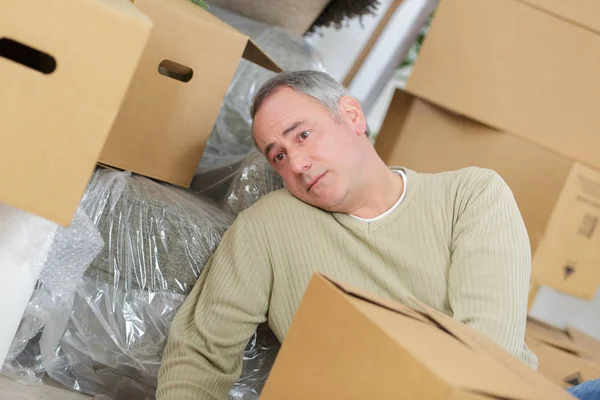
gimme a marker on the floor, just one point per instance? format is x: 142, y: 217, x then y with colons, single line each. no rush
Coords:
x: 10, y: 390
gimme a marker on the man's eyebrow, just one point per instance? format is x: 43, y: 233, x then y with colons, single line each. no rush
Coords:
x: 292, y: 127
x: 284, y: 133
x: 268, y: 148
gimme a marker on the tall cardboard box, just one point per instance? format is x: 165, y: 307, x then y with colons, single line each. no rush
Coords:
x: 65, y: 67
x: 529, y: 67
x: 177, y: 91
x: 347, y: 344
x: 559, y: 198
x: 562, y: 358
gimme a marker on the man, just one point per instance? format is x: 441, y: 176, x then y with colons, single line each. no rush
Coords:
x: 454, y: 240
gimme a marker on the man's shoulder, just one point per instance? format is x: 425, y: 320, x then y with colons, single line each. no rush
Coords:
x: 278, y: 204
x: 468, y: 178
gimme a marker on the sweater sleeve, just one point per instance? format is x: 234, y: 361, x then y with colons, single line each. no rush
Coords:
x: 208, y: 335
x: 488, y: 281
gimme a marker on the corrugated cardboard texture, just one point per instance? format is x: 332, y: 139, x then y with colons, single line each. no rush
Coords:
x: 349, y: 345
x: 516, y: 68
x: 164, y: 123
x: 426, y: 138
x: 54, y: 125
x: 569, y: 255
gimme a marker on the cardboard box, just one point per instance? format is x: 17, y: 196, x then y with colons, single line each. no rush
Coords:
x: 558, y: 198
x: 65, y: 67
x: 347, y: 344
x: 177, y: 91
x: 529, y: 67
x: 561, y: 357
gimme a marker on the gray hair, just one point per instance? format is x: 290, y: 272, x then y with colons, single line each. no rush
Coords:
x: 318, y: 85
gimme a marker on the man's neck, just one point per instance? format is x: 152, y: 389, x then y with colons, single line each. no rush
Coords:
x: 382, y: 192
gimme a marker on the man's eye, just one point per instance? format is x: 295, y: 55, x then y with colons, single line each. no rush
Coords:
x: 304, y: 135
x: 279, y: 157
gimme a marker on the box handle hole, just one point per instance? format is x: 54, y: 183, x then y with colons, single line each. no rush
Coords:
x: 175, y: 70
x: 27, y: 56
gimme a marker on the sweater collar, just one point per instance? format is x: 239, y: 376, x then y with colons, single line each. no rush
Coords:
x: 368, y: 227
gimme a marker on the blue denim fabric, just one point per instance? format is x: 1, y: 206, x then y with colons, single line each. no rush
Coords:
x: 589, y: 390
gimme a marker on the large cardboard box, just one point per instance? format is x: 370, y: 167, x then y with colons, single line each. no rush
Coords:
x: 65, y: 66
x: 563, y: 357
x: 529, y: 67
x: 177, y: 91
x: 559, y: 198
x: 348, y: 344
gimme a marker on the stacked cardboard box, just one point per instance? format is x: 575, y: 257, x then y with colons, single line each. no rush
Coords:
x: 345, y: 343
x: 134, y: 86
x: 567, y: 357
x: 513, y: 86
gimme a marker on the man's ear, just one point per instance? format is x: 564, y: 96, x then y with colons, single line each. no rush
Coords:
x: 353, y: 113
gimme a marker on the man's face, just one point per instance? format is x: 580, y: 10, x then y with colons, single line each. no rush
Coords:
x: 317, y: 155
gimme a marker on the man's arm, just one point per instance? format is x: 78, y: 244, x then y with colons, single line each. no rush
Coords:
x: 491, y: 262
x: 208, y: 335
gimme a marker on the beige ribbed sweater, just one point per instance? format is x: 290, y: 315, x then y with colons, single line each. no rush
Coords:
x: 457, y: 242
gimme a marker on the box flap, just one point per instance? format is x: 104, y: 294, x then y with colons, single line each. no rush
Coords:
x: 583, y: 13
x: 563, y: 368
x: 507, y: 368
x: 469, y: 362
x: 589, y: 345
x: 254, y: 54
x: 388, y: 304
x: 552, y: 336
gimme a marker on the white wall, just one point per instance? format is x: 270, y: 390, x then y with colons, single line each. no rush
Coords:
x: 561, y: 309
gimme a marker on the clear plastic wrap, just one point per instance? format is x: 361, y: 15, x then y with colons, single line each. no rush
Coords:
x: 253, y: 180
x: 231, y: 135
x: 259, y: 358
x: 71, y: 252
x: 103, y: 333
x: 158, y: 239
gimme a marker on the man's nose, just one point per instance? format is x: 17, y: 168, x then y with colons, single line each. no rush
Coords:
x: 300, y: 162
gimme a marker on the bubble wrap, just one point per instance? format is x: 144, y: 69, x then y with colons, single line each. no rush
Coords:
x: 25, y: 241
x: 231, y: 136
x: 72, y: 250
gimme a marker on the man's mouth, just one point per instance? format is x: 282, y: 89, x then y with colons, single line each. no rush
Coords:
x: 314, y: 181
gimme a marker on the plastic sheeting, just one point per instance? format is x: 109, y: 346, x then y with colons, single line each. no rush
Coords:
x: 259, y: 358
x: 158, y: 239
x: 231, y: 138
x: 254, y: 179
